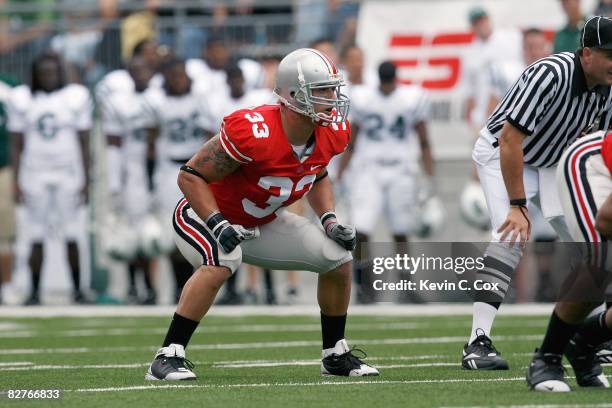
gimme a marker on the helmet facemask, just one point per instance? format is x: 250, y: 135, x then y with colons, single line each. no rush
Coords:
x: 303, y: 101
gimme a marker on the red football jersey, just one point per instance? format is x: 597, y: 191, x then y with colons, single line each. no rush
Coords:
x: 606, y: 150
x: 271, y: 175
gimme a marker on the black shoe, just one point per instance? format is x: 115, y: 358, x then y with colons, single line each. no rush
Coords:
x: 33, y: 300
x: 271, y: 298
x: 585, y: 363
x: 230, y: 297
x: 340, y: 361
x: 151, y: 298
x: 604, y: 352
x: 132, y: 297
x: 481, y: 354
x: 170, y: 364
x: 545, y: 373
x: 79, y: 298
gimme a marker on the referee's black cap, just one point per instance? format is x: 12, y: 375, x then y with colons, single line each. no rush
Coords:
x: 597, y: 33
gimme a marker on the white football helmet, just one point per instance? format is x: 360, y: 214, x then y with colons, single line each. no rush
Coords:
x: 432, y: 217
x: 150, y: 237
x: 304, y: 70
x: 118, y: 239
x: 474, y: 206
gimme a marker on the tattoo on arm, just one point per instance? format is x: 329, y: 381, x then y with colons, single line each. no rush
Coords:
x: 212, y: 160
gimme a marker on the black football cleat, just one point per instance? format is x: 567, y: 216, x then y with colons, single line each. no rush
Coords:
x: 546, y: 373
x: 481, y: 354
x: 170, y: 364
x: 340, y: 361
x: 585, y: 363
x: 604, y: 352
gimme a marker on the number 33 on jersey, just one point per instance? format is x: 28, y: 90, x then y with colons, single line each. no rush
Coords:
x: 271, y: 176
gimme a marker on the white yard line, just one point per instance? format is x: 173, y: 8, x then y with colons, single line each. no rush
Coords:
x: 392, y: 358
x: 255, y: 365
x: 604, y: 405
x: 73, y: 367
x: 247, y: 328
x: 364, y: 382
x: 384, y: 309
x: 264, y: 345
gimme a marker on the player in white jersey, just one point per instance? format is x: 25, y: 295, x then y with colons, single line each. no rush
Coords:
x: 238, y: 96
x: 209, y: 72
x: 127, y: 122
x: 120, y: 80
x: 49, y: 123
x: 183, y: 122
x: 390, y: 122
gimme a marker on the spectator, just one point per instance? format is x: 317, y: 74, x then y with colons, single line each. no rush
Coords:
x: 310, y: 17
x: 22, y: 36
x: 342, y: 21
x: 136, y: 28
x: 568, y: 38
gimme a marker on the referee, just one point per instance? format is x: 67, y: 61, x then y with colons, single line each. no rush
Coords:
x: 554, y: 101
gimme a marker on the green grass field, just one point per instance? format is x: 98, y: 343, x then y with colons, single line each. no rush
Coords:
x: 270, y: 361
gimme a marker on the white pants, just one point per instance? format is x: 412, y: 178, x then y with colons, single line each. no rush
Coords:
x: 389, y: 190
x: 136, y: 197
x: 584, y: 184
x: 52, y: 204
x: 290, y: 242
x: 488, y: 166
x: 167, y: 191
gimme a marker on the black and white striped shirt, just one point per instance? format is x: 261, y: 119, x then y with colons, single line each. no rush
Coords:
x: 552, y: 105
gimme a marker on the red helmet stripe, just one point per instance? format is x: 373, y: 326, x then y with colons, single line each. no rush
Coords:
x: 328, y: 61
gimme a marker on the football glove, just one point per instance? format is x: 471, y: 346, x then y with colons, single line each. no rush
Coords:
x: 227, y: 235
x: 345, y: 235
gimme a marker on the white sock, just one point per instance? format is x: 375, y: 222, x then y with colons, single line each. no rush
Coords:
x: 482, y: 320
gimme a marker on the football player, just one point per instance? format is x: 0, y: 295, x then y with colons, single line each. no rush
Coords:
x: 183, y: 122
x: 120, y: 80
x: 585, y: 191
x: 222, y: 104
x: 210, y: 70
x: 385, y: 119
x: 238, y: 95
x: 49, y: 123
x: 236, y: 188
x: 127, y: 123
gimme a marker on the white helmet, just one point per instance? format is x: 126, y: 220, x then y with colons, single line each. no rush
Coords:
x: 299, y: 73
x: 120, y: 242
x: 150, y: 237
x: 474, y: 206
x: 432, y: 217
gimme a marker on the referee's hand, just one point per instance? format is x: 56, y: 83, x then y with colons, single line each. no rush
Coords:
x: 517, y: 223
